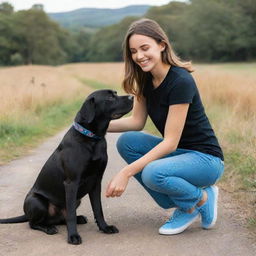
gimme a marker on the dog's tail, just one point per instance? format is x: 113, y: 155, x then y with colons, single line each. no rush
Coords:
x: 18, y: 219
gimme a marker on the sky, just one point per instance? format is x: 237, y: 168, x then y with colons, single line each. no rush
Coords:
x: 69, y: 5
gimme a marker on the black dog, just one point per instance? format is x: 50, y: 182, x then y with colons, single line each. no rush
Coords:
x: 75, y: 169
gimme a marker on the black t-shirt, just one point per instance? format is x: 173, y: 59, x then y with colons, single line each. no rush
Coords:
x: 179, y: 87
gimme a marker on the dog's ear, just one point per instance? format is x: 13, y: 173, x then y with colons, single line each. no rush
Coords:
x: 89, y: 110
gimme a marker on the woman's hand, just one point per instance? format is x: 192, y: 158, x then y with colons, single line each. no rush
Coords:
x: 118, y: 184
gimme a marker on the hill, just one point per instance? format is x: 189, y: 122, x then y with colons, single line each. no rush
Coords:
x: 95, y: 17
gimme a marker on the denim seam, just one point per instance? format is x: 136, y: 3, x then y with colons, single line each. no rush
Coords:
x: 182, y: 208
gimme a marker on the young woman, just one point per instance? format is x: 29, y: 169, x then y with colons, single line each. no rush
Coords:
x: 178, y: 170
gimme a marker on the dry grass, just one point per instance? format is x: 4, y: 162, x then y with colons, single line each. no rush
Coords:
x: 232, y: 93
x: 107, y: 73
x: 29, y: 88
x: 228, y: 87
x: 228, y: 92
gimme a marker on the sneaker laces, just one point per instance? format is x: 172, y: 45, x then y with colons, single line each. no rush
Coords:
x: 177, y: 213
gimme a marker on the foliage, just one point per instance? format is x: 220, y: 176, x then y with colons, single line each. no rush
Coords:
x: 213, y: 30
x: 8, y: 43
x: 106, y: 44
x: 6, y: 8
x: 40, y: 37
x: 216, y: 31
x: 30, y: 37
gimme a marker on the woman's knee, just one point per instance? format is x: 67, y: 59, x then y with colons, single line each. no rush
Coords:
x: 127, y: 141
x: 150, y: 176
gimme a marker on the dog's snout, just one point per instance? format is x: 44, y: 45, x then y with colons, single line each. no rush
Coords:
x: 130, y: 97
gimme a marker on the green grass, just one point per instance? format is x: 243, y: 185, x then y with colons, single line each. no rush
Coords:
x: 236, y: 147
x: 98, y: 85
x: 244, y: 167
x: 19, y: 135
x: 251, y: 222
x: 94, y: 84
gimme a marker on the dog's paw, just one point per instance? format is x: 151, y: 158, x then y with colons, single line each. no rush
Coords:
x: 75, y: 239
x: 110, y: 230
x: 51, y: 230
x: 81, y: 219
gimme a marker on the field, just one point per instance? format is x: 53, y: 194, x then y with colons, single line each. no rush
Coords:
x: 37, y: 101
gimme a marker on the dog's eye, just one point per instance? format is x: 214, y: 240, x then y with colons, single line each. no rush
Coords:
x: 111, y: 97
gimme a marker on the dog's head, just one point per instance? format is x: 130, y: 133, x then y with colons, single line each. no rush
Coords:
x: 104, y: 105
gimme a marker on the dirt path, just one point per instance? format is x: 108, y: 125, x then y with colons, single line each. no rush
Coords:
x: 135, y: 214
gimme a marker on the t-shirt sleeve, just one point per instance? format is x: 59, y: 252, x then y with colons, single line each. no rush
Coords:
x: 182, y: 91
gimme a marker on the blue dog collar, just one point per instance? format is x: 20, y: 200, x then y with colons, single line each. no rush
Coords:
x: 84, y: 131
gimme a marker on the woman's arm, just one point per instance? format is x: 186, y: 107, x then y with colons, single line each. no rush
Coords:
x: 135, y: 122
x: 173, y: 129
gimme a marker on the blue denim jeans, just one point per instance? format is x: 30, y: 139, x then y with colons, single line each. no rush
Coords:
x: 175, y: 180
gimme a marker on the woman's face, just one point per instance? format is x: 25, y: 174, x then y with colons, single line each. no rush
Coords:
x: 146, y: 52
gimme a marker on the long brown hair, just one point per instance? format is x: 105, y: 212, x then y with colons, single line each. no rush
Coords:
x: 135, y: 78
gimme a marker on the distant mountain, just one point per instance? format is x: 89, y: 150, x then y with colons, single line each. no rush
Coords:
x: 96, y: 17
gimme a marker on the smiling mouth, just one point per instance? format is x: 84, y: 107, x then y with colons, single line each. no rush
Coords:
x: 144, y: 62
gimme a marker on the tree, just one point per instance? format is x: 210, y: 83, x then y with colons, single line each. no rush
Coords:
x: 215, y: 30
x: 37, y: 7
x: 170, y: 19
x: 7, y: 34
x: 248, y: 10
x: 38, y: 38
x: 80, y: 51
x: 6, y: 8
x: 106, y: 44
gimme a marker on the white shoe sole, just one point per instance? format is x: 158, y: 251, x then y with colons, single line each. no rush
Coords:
x: 215, y: 214
x: 165, y: 231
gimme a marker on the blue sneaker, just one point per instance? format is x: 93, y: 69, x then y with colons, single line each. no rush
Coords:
x: 208, y: 210
x: 179, y: 221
